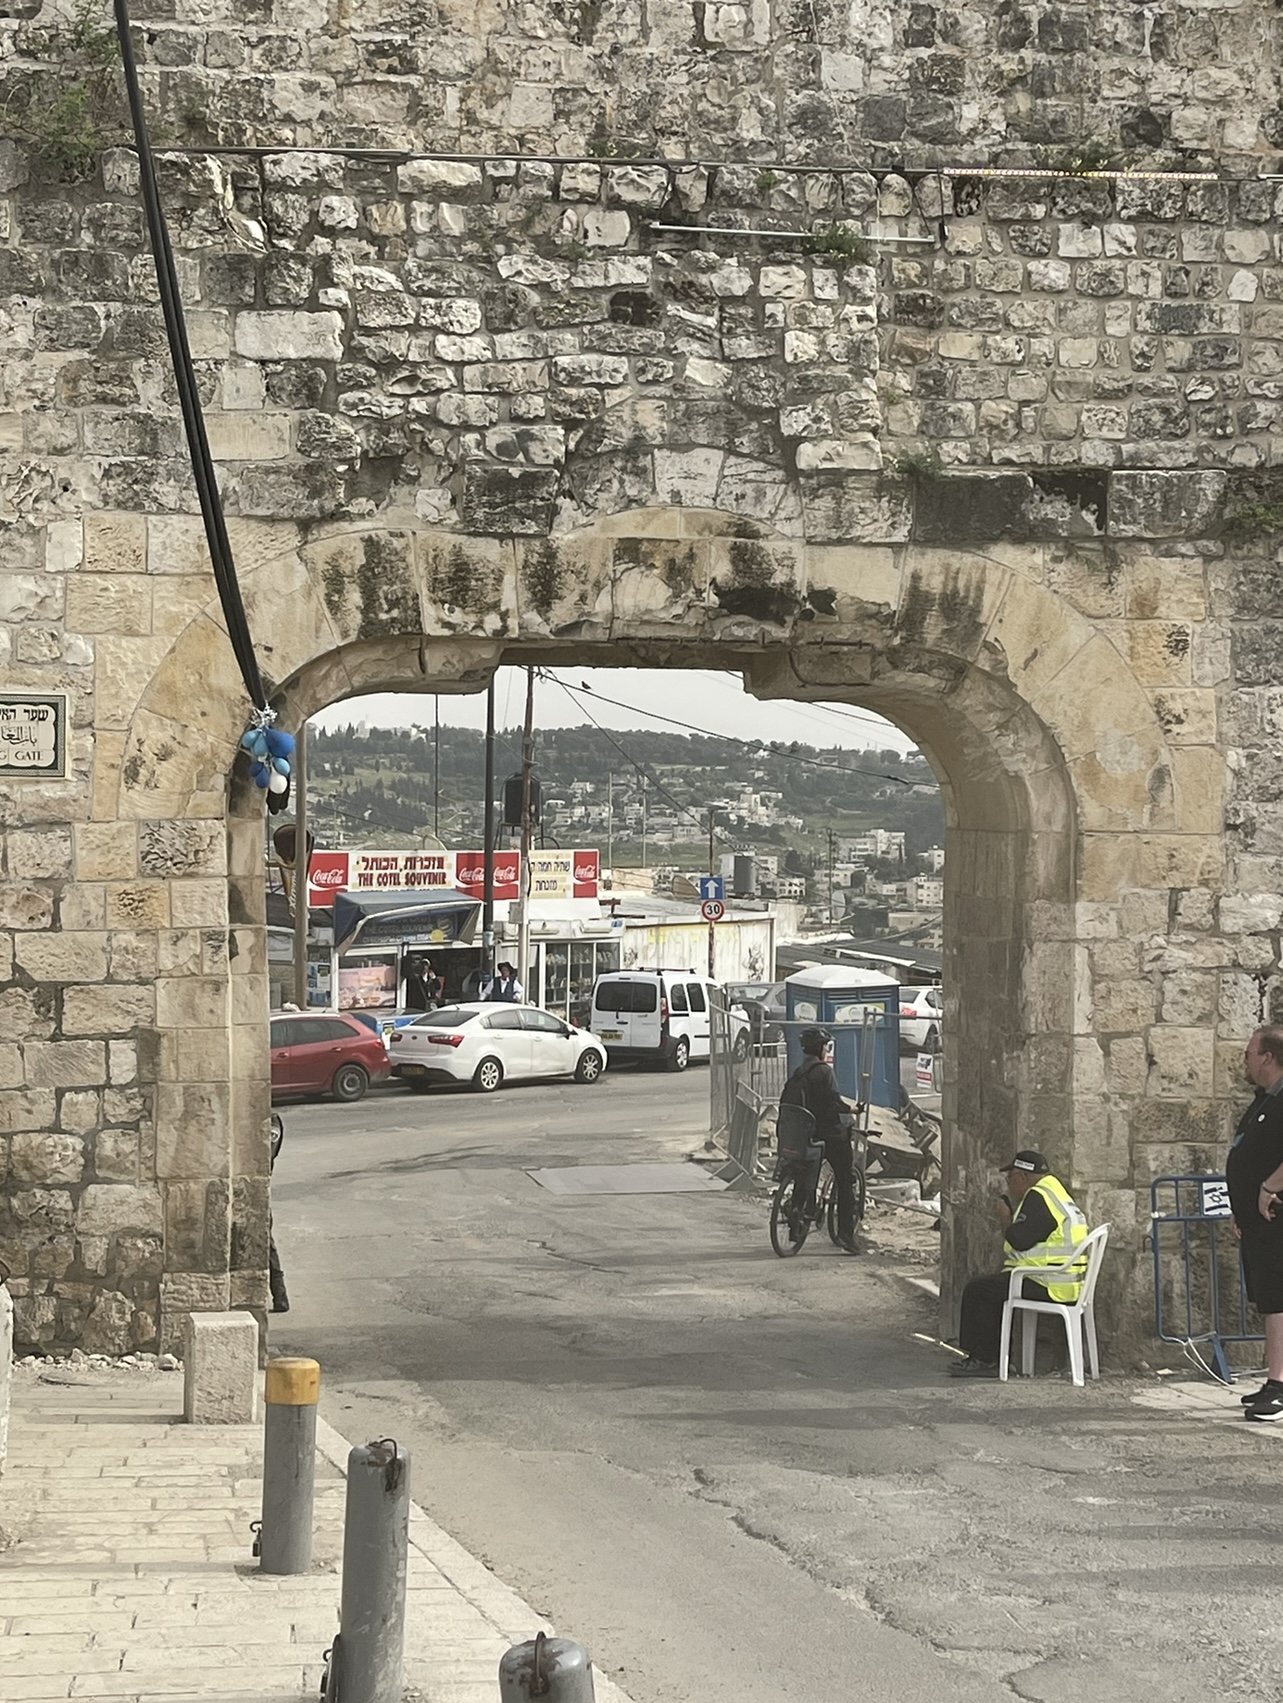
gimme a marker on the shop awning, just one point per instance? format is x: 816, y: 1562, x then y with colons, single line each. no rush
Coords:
x: 416, y: 916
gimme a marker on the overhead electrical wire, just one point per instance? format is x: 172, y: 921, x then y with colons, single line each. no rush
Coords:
x: 775, y: 748
x: 642, y: 768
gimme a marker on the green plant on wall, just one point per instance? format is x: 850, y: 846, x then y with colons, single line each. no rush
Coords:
x: 72, y: 108
x: 1081, y: 159
x: 922, y: 466
x: 842, y: 243
x: 1251, y: 520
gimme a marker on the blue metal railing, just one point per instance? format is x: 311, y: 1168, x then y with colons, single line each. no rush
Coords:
x: 1189, y: 1227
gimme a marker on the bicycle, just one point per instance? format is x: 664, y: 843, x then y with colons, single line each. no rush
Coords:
x: 806, y: 1192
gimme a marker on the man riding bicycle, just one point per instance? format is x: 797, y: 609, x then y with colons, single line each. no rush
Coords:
x: 814, y: 1086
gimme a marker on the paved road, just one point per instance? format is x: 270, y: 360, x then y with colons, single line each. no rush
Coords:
x: 739, y: 1478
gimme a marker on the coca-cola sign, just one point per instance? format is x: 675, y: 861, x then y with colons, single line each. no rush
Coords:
x: 553, y: 874
x: 327, y: 875
x: 470, y: 874
x: 587, y: 874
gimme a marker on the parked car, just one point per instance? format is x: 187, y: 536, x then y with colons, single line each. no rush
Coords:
x: 659, y: 1016
x: 486, y: 1044
x: 764, y: 1003
x: 324, y: 1052
x: 921, y: 1019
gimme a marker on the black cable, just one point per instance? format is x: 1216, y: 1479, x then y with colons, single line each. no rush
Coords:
x: 641, y: 768
x: 775, y: 747
x: 211, y: 507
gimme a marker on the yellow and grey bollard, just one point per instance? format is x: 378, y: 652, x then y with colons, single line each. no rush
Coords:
x: 546, y: 1667
x: 291, y: 1392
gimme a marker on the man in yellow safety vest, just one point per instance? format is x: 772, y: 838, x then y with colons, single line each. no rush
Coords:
x: 1042, y: 1224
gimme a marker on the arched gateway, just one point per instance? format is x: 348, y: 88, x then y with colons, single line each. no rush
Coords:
x: 759, y: 360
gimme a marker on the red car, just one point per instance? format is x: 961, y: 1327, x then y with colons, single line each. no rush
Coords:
x: 324, y: 1052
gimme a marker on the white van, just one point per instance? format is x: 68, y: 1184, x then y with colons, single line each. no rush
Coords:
x: 662, y: 1015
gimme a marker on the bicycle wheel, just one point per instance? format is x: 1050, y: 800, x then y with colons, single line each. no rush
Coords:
x: 861, y: 1195
x: 826, y: 1205
x: 790, y: 1222
x: 860, y: 1191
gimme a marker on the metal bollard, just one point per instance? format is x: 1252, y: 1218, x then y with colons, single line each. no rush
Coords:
x: 365, y: 1661
x: 291, y: 1391
x: 546, y: 1667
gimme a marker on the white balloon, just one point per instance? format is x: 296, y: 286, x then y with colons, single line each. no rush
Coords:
x: 278, y: 783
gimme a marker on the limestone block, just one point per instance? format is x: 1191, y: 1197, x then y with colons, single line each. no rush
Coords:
x: 1163, y: 504
x: 137, y: 904
x: 109, y: 1009
x: 67, y: 957
x: 290, y: 335
x: 65, y: 1064
x: 106, y: 851
x: 1180, y: 1061
x: 248, y: 437
x: 220, y: 1369
x: 38, y: 855
x: 106, y: 1208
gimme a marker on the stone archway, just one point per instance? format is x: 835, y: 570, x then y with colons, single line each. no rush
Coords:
x: 1063, y: 797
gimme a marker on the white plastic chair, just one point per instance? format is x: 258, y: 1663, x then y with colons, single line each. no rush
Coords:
x: 1079, y: 1316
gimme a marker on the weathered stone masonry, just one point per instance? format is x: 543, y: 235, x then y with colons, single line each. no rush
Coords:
x: 1011, y: 481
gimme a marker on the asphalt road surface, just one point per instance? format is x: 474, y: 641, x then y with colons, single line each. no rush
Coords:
x: 738, y: 1478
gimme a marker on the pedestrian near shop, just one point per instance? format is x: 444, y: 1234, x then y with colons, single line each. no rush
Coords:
x: 1042, y: 1224
x: 1254, y: 1173
x: 504, y: 986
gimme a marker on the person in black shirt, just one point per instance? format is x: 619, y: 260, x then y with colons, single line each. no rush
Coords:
x: 817, y: 1088
x: 1254, y: 1174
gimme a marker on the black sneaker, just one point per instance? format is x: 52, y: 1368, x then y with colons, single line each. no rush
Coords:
x: 1268, y: 1407
x: 973, y: 1369
x: 1256, y: 1395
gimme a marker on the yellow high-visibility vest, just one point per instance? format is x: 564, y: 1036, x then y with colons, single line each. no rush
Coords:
x: 1070, y: 1233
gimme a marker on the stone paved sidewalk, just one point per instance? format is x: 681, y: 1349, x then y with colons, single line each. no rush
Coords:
x: 125, y: 1568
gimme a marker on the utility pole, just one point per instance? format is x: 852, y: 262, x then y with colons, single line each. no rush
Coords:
x: 711, y: 817
x: 302, y: 864
x: 831, y: 837
x: 610, y: 821
x: 643, y: 790
x: 436, y: 764
x: 523, y: 872
x: 487, y: 852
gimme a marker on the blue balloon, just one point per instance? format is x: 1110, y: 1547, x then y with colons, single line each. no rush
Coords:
x: 259, y: 774
x: 280, y: 743
x: 281, y: 765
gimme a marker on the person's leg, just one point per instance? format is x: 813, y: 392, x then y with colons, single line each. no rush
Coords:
x: 838, y: 1149
x: 1274, y: 1347
x: 980, y: 1322
x: 276, y: 1276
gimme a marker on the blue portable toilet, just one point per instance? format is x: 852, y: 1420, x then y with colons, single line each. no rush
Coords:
x: 836, y: 997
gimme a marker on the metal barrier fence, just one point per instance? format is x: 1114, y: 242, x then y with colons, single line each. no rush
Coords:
x: 1198, y: 1274
x: 747, y: 1073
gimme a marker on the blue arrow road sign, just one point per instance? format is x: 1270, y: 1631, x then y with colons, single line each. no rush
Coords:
x: 712, y: 887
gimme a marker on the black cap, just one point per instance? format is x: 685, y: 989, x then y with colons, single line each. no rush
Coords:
x: 1028, y: 1160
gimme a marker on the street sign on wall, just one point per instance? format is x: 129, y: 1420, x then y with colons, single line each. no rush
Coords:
x: 33, y: 735
x: 711, y: 887
x: 712, y: 910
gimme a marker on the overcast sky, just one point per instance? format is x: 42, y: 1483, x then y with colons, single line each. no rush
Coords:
x: 699, y: 701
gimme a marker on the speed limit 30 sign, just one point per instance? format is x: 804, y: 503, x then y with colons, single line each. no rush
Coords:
x: 712, y: 910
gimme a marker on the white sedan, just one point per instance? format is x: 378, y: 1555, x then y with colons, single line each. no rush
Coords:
x: 486, y: 1044
x: 921, y: 1019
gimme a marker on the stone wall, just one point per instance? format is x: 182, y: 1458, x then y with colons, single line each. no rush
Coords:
x: 764, y: 80
x: 1007, y: 475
